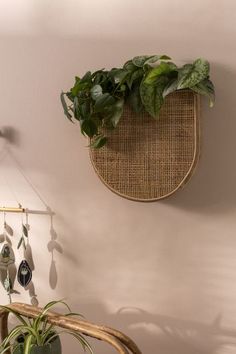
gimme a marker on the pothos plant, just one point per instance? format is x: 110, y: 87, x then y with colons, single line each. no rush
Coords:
x: 97, y: 99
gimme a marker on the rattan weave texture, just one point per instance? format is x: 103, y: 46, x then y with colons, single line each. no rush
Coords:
x: 147, y: 159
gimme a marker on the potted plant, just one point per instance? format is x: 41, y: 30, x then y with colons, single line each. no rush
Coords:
x: 37, y: 336
x: 97, y: 99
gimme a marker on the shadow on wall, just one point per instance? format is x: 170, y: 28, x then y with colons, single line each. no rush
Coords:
x: 53, y: 244
x: 212, y: 189
x: 166, y: 334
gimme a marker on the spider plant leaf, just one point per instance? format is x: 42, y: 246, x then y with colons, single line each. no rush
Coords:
x: 54, y: 303
x: 55, y: 335
x: 46, y: 334
x: 19, y: 317
x: 12, y: 335
x: 28, y: 344
x: 44, y: 325
x: 71, y: 314
x: 46, y: 308
x: 35, y: 334
x: 5, y: 350
x: 85, y: 344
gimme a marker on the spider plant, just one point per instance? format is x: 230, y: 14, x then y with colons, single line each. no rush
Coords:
x: 38, y: 336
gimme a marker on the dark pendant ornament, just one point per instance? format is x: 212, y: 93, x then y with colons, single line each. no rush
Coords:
x: 24, y: 274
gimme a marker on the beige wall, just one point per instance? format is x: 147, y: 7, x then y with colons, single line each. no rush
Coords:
x: 165, y: 273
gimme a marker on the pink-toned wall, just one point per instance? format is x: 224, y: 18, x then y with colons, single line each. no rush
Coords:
x: 164, y: 273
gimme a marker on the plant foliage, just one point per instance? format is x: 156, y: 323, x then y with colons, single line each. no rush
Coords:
x: 37, y: 332
x: 97, y: 99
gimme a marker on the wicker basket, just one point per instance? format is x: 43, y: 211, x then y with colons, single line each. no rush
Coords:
x: 147, y: 159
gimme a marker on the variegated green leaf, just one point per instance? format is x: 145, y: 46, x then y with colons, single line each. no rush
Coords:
x: 206, y: 88
x: 98, y: 142
x: 141, y: 60
x: 103, y: 101
x: 134, y: 99
x: 162, y: 69
x: 170, y: 87
x: 129, y: 66
x: 135, y: 75
x: 96, y: 91
x: 151, y: 96
x: 117, y: 112
x: 191, y: 74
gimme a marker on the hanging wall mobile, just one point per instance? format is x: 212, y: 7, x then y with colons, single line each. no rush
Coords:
x: 7, y: 258
x: 143, y: 123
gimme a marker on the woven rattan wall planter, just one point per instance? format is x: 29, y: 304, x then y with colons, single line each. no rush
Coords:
x: 147, y: 159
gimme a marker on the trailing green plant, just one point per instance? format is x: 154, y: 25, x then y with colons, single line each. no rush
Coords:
x: 97, y: 99
x: 37, y: 335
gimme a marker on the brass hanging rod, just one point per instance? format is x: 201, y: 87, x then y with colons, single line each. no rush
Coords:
x: 12, y: 210
x: 25, y: 210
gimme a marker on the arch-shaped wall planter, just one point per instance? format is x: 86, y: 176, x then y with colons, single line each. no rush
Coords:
x: 147, y: 159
